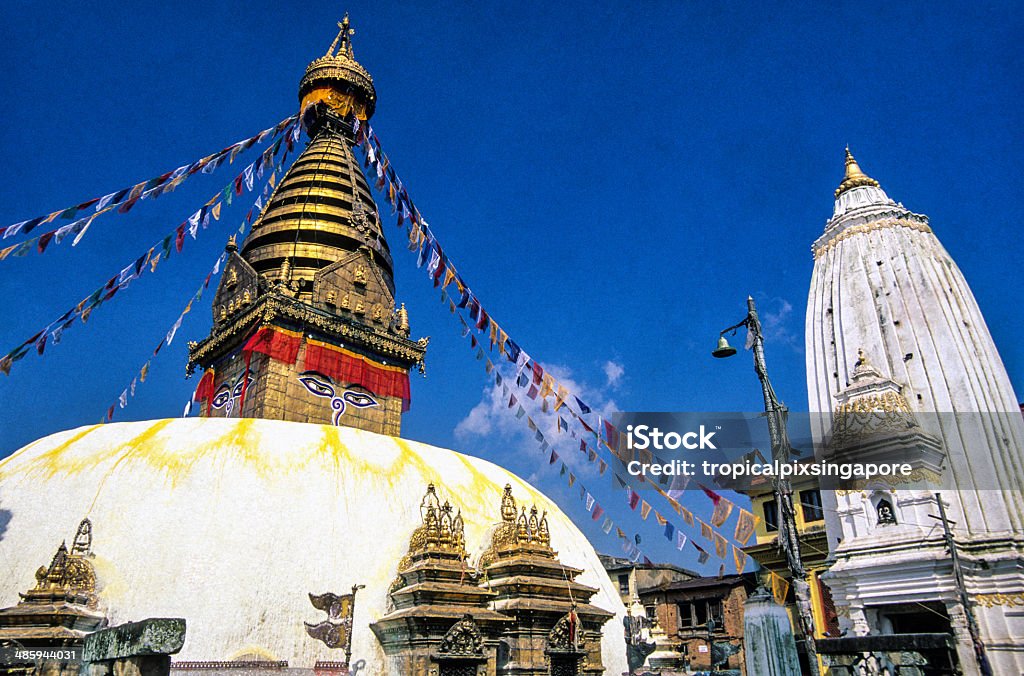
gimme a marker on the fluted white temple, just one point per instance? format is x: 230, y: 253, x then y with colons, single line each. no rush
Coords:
x: 893, y: 326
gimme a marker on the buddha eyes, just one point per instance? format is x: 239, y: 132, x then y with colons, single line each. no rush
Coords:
x: 316, y: 386
x: 241, y: 385
x: 359, y: 399
x: 321, y: 386
x: 222, y: 396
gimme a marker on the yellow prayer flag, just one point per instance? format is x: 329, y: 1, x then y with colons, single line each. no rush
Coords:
x: 645, y: 510
x: 502, y: 337
x: 740, y: 557
x: 560, y: 397
x: 661, y: 520
x: 449, y: 275
x: 745, y: 526
x: 705, y: 531
x: 722, y: 511
x: 547, y: 386
x: 780, y: 588
x: 216, y: 211
x: 721, y: 546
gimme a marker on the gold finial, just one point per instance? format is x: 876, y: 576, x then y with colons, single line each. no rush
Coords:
x: 403, y: 321
x: 232, y: 244
x: 344, y: 38
x: 854, y: 177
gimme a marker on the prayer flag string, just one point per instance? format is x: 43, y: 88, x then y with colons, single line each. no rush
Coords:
x: 129, y: 392
x: 123, y: 200
x: 529, y: 374
x: 160, y: 251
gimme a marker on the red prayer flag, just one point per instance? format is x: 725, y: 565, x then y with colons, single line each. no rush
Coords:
x: 715, y: 497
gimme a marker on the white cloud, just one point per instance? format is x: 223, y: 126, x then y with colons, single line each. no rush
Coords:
x: 613, y: 371
x: 775, y: 323
x: 492, y: 417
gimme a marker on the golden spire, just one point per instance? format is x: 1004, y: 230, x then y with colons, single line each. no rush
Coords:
x: 854, y: 177
x: 345, y: 38
x: 338, y: 80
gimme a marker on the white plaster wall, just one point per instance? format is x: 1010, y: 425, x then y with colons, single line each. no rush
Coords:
x: 230, y: 523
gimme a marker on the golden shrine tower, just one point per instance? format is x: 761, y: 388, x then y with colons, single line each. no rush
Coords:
x: 305, y: 327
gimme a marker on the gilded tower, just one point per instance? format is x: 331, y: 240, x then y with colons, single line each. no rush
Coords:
x: 305, y: 326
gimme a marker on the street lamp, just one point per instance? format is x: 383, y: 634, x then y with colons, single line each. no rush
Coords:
x: 782, y: 452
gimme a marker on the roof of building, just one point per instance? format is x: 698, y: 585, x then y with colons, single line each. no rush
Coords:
x: 613, y: 563
x: 703, y: 583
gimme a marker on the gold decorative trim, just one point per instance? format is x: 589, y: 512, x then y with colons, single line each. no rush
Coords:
x: 998, y: 599
x: 870, y: 227
x: 272, y: 306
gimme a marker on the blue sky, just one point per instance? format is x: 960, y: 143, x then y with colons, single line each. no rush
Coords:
x: 611, y: 179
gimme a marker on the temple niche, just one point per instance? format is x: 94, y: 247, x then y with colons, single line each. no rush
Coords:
x: 439, y: 622
x: 519, y: 611
x: 556, y: 630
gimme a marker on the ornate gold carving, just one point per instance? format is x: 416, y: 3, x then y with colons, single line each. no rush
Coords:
x: 360, y: 308
x: 232, y: 279
x: 567, y: 634
x: 1000, y: 599
x: 463, y: 639
x: 70, y: 575
x: 346, y: 302
x: 442, y: 531
x: 331, y: 297
x: 402, y: 321
x: 880, y: 224
x: 870, y: 404
x: 338, y: 79
x: 271, y: 306
x: 518, y: 530
x: 359, y: 275
x: 378, y: 314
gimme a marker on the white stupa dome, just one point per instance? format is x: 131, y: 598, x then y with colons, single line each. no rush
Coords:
x: 231, y: 523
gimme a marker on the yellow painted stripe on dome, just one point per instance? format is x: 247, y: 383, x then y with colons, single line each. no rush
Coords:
x: 24, y: 451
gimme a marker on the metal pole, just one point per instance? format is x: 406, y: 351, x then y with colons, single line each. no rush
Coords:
x: 961, y: 587
x: 782, y: 452
x: 351, y: 625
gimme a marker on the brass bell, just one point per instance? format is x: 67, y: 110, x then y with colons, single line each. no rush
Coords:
x: 724, y: 349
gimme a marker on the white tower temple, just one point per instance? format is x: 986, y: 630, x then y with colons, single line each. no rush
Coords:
x: 892, y: 327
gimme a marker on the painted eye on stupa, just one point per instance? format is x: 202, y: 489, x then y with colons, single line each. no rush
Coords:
x: 222, y: 397
x: 317, y: 386
x: 359, y: 399
x: 240, y: 385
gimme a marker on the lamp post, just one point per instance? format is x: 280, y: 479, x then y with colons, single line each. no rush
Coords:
x: 776, y: 412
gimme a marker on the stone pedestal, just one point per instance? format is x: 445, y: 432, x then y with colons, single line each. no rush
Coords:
x: 768, y: 642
